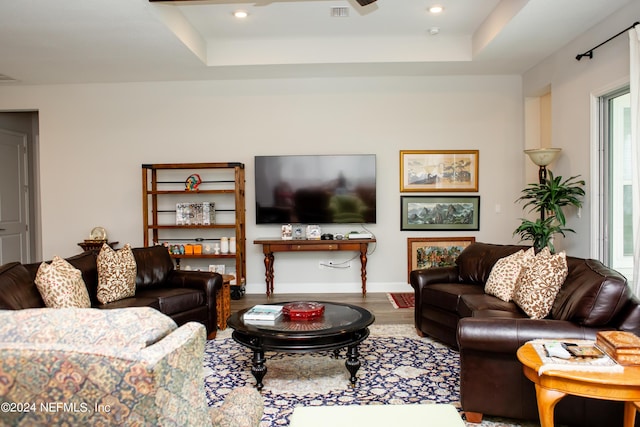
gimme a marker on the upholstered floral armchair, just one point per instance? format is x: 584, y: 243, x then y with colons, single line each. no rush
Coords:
x: 130, y: 366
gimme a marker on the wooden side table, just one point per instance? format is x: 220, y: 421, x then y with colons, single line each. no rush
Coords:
x: 223, y: 301
x: 91, y: 245
x: 551, y: 386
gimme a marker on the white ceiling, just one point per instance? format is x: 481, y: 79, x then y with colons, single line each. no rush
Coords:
x: 82, y: 41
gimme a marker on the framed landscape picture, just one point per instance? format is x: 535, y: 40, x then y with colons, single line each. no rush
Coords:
x: 439, y: 213
x: 439, y: 170
x: 429, y: 252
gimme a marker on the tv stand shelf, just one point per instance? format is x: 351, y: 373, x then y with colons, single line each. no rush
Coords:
x: 269, y: 246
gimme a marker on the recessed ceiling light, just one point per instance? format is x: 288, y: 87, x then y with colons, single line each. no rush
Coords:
x: 434, y: 31
x: 436, y: 9
x: 240, y: 14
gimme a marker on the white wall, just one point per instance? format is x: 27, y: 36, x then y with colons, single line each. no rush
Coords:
x: 93, y: 139
x: 573, y: 84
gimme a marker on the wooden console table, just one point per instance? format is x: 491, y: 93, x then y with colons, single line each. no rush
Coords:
x: 269, y: 246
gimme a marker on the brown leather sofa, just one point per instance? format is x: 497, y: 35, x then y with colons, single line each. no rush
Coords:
x: 182, y: 295
x: 452, y: 307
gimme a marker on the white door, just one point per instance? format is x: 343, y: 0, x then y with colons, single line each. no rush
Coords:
x: 14, y: 196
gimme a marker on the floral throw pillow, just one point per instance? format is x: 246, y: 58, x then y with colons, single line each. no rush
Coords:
x: 61, y: 286
x: 540, y: 283
x: 116, y: 274
x: 505, y: 273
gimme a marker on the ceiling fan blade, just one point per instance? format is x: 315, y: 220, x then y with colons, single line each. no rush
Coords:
x: 360, y: 2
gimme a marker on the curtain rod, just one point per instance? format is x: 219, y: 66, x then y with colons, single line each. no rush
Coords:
x: 589, y: 53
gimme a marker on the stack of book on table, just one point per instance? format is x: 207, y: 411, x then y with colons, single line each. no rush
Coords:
x: 262, y: 314
x: 623, y: 347
x: 573, y: 355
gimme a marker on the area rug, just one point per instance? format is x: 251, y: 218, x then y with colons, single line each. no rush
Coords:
x: 398, y: 367
x: 402, y: 299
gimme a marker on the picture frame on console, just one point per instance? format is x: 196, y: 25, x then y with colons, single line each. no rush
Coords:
x: 439, y: 170
x: 442, y: 213
x: 429, y: 252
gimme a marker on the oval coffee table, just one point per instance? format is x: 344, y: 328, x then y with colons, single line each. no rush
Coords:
x: 341, y: 325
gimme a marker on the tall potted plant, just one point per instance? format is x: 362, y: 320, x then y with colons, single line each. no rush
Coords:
x: 549, y: 197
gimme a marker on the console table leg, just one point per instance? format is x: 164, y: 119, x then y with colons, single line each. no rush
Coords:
x: 258, y: 369
x: 352, y: 363
x: 363, y: 268
x: 268, y: 266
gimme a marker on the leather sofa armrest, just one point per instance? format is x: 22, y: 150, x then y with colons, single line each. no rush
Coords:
x: 207, y: 281
x: 503, y: 335
x: 421, y: 278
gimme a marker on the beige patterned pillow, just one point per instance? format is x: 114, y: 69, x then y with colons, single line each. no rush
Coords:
x: 61, y: 286
x: 505, y: 272
x: 540, y: 283
x: 116, y: 274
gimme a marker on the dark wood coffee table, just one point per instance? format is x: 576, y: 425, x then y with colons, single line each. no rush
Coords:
x: 341, y: 325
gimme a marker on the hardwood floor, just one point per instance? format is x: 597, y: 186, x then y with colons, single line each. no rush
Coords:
x: 375, y: 302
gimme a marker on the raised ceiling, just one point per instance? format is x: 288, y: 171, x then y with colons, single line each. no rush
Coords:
x: 82, y: 41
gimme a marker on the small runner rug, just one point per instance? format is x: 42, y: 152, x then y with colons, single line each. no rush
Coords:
x: 402, y: 299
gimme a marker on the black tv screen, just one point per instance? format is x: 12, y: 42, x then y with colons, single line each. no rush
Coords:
x: 323, y: 189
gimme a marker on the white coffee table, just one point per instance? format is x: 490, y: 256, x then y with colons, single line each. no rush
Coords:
x: 415, y: 415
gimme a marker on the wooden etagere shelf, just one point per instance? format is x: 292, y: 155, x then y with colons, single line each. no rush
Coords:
x: 163, y: 186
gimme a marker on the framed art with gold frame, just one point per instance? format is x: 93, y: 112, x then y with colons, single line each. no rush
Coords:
x: 439, y: 170
x: 429, y: 252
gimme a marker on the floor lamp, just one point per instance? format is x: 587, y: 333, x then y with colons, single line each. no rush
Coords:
x: 542, y: 157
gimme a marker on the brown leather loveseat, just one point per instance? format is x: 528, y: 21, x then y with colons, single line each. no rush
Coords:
x: 182, y: 295
x: 452, y: 307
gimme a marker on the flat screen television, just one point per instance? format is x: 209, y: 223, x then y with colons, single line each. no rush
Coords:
x: 323, y: 189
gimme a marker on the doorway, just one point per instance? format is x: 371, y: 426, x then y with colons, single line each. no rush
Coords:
x: 19, y: 212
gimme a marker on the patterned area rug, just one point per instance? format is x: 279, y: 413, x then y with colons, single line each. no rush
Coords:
x: 402, y: 299
x: 398, y: 367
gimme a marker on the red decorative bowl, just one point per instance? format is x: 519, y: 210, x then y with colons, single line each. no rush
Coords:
x: 303, y: 310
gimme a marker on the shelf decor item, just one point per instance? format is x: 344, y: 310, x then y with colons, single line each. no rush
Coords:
x: 298, y: 232
x: 98, y: 233
x: 193, y: 182
x: 286, y: 232
x: 224, y: 245
x: 314, y: 232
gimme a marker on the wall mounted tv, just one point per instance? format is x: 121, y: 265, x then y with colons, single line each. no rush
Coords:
x: 323, y: 189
